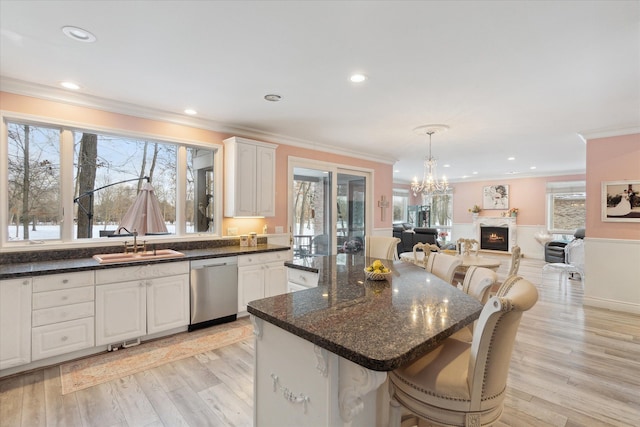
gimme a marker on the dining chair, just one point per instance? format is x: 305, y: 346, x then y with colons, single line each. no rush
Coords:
x: 427, y: 249
x: 443, y: 265
x: 382, y: 247
x: 468, y: 246
x: 464, y: 383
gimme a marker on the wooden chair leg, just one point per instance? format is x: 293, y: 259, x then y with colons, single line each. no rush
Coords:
x: 395, y: 413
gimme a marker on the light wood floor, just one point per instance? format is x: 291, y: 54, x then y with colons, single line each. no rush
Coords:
x: 572, y: 366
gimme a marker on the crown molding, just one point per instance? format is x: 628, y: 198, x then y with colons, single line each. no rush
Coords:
x: 606, y: 133
x: 49, y: 93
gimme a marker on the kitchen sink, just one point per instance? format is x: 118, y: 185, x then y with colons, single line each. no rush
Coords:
x: 137, y: 256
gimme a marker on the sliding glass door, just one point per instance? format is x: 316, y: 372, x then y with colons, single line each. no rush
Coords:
x: 351, y: 205
x: 312, y: 213
x: 328, y: 212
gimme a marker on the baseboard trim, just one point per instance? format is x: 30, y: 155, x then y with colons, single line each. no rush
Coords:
x: 611, y: 305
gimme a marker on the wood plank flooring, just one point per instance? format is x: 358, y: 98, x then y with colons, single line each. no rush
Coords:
x: 571, y: 366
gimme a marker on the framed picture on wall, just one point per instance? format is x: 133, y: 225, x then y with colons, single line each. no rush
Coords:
x: 621, y: 201
x: 495, y: 197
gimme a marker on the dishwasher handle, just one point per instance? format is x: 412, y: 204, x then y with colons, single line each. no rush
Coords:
x: 213, y: 262
x: 198, y: 267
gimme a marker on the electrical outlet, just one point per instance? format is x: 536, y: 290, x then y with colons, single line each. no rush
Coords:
x: 279, y: 229
x: 232, y: 231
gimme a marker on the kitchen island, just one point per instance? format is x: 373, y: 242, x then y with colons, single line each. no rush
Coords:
x: 322, y: 354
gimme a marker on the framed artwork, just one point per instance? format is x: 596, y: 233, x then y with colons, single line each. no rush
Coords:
x: 621, y: 201
x: 495, y: 197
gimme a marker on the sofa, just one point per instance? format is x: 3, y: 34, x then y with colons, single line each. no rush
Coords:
x: 554, y: 250
x: 409, y: 236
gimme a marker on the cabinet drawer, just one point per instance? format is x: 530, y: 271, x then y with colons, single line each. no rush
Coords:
x: 54, y: 282
x: 62, y: 314
x: 304, y: 278
x: 262, y: 258
x: 52, y: 340
x: 148, y: 271
x: 63, y: 297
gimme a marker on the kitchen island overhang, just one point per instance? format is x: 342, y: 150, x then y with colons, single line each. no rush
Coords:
x: 355, y: 330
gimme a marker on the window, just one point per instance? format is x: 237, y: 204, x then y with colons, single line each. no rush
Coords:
x: 441, y: 213
x: 566, y: 206
x: 33, y: 167
x: 105, y: 173
x: 400, y: 205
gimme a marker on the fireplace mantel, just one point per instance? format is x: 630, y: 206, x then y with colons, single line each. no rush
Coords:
x: 497, y: 221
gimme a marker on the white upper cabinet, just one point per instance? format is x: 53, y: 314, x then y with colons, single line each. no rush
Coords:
x: 250, y: 176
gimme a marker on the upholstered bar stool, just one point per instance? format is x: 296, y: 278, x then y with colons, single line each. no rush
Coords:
x: 443, y: 265
x: 478, y: 283
x: 382, y: 247
x: 461, y: 383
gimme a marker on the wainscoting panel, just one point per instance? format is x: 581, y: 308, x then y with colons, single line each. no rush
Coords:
x: 612, y: 274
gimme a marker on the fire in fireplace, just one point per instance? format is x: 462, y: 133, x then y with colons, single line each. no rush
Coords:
x: 494, y: 238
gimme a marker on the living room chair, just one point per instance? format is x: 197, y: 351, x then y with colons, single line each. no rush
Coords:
x: 427, y: 249
x: 442, y: 265
x: 574, y: 254
x: 381, y: 247
x: 464, y: 383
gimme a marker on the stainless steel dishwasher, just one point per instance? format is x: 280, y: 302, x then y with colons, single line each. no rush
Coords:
x: 214, y: 291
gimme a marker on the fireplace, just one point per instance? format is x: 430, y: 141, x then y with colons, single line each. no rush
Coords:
x: 494, y: 238
x: 495, y: 233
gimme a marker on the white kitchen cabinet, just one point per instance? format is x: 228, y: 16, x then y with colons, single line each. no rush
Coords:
x: 121, y: 311
x: 259, y: 276
x: 15, y: 322
x: 250, y: 174
x: 298, y: 279
x: 63, y: 314
x: 157, y: 300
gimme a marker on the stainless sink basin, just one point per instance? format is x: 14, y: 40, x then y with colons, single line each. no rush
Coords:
x: 138, y: 256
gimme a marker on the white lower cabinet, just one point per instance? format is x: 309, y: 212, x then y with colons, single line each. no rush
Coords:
x: 63, y: 314
x: 15, y: 322
x: 157, y: 300
x: 259, y: 276
x: 301, y: 279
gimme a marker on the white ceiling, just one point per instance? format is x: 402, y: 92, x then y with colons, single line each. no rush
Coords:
x: 510, y: 78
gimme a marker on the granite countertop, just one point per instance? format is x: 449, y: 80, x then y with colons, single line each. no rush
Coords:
x: 378, y: 325
x: 38, y: 268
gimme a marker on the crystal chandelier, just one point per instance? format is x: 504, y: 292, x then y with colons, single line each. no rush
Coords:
x: 430, y: 184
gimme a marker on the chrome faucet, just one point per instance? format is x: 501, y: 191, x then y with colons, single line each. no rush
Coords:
x: 135, y: 241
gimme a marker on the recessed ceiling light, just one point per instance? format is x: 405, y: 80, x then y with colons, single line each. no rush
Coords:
x: 475, y: 172
x: 70, y: 85
x: 396, y: 171
x: 78, y: 34
x: 272, y: 97
x: 190, y: 111
x: 511, y: 158
x: 533, y: 167
x: 446, y: 166
x: 358, y: 78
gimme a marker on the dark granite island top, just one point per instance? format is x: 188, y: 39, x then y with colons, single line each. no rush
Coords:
x: 378, y: 325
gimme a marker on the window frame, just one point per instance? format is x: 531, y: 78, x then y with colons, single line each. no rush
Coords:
x: 562, y: 188
x: 67, y: 128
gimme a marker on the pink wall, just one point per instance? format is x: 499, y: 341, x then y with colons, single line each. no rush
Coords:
x: 42, y: 108
x: 611, y: 159
x: 526, y: 194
